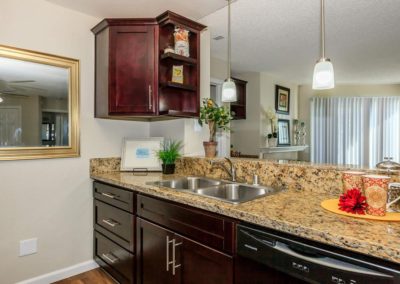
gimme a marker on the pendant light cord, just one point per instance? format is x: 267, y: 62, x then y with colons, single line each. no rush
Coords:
x: 229, y: 39
x: 323, y: 29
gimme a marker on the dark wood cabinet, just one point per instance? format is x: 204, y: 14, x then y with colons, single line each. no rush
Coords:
x: 132, y: 86
x: 166, y: 257
x: 114, y: 231
x: 238, y: 108
x: 134, y: 76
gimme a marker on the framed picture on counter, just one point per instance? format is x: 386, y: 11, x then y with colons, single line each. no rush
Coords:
x: 282, y: 99
x: 283, y: 132
x: 139, y: 154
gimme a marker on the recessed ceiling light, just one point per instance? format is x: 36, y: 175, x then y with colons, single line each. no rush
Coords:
x: 1, y: 100
x: 218, y: 37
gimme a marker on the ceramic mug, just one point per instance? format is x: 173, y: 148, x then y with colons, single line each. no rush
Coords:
x: 393, y: 203
x: 352, y: 179
x: 376, y: 192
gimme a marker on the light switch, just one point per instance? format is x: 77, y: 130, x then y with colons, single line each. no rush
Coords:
x: 27, y: 247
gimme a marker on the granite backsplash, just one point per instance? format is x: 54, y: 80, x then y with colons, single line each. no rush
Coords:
x: 301, y: 176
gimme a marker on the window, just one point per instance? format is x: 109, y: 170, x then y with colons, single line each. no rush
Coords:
x: 355, y: 130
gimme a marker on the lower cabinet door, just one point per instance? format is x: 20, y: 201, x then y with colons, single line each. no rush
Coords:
x: 199, y: 264
x: 154, y: 252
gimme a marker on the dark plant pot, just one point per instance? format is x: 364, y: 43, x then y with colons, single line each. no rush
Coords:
x: 168, y: 169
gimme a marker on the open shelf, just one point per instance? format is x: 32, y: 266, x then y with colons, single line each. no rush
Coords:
x: 178, y: 86
x: 178, y: 58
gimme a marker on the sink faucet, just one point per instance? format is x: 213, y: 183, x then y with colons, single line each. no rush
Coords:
x: 231, y: 170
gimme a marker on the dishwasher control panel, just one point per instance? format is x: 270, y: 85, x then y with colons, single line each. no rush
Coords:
x: 310, y: 263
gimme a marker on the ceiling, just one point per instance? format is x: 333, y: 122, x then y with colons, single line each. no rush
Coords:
x: 281, y: 37
x: 36, y: 79
x: 193, y: 9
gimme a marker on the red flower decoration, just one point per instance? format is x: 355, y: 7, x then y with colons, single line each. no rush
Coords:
x: 353, y: 202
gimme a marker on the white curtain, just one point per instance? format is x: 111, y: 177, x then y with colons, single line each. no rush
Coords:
x: 355, y: 130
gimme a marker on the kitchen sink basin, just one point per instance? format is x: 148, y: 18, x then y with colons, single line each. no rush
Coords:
x: 234, y: 193
x: 188, y: 183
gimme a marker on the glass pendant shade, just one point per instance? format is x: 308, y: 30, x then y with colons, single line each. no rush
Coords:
x: 324, y: 77
x: 229, y: 91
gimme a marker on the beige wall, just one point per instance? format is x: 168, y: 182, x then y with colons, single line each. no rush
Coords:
x: 31, y: 118
x: 52, y: 199
x: 306, y: 93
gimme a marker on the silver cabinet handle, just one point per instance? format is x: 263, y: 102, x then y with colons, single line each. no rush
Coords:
x: 110, y: 257
x: 174, y: 245
x: 168, y: 241
x: 110, y: 222
x: 109, y: 195
x: 150, y: 97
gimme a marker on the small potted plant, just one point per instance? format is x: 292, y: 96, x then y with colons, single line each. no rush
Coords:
x: 217, y: 117
x: 169, y: 152
x: 273, y: 139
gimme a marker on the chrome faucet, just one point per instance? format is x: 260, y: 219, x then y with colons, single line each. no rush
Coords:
x: 231, y: 170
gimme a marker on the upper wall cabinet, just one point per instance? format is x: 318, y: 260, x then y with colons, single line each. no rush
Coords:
x: 238, y: 108
x: 134, y: 71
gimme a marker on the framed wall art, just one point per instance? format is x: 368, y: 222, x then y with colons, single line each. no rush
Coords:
x: 283, y: 132
x: 139, y: 154
x: 282, y: 99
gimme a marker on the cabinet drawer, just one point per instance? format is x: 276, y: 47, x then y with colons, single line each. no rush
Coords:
x: 118, y: 222
x: 118, y: 197
x: 114, y: 259
x: 207, y: 228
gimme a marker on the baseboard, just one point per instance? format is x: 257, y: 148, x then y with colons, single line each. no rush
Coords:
x: 62, y: 273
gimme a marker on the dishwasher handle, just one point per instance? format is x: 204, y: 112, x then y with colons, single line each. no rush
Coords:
x: 327, y: 261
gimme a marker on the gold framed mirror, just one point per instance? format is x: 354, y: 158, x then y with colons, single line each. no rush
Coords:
x: 39, y: 105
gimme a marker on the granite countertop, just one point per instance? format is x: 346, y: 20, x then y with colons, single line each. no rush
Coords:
x: 294, y: 212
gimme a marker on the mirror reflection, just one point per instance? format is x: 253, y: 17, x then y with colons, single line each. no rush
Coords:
x: 34, y: 105
x: 356, y: 123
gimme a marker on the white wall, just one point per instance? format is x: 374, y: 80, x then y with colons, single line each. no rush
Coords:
x: 306, y: 93
x: 245, y: 133
x: 51, y: 199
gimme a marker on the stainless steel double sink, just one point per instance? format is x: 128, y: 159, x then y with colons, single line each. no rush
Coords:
x: 231, y: 192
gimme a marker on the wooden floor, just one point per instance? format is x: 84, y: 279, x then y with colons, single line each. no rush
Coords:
x: 95, y: 276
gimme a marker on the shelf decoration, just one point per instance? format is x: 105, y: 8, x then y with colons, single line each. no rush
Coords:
x: 177, y: 74
x: 181, y: 37
x: 353, y: 201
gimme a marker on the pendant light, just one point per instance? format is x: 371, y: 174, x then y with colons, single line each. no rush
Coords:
x: 324, y: 77
x: 229, y: 87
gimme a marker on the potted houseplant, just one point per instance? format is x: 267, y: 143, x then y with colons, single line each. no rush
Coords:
x: 217, y: 117
x: 272, y: 139
x: 169, y: 152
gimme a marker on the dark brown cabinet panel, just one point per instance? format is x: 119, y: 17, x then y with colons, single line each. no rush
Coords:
x: 115, y: 223
x: 114, y: 231
x: 207, y: 228
x: 200, y: 264
x: 238, y: 108
x: 118, y: 197
x: 166, y: 257
x: 132, y: 66
x: 115, y: 260
x: 152, y: 245
x: 134, y: 76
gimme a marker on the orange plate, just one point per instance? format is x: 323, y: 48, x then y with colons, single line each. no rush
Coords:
x: 332, y: 206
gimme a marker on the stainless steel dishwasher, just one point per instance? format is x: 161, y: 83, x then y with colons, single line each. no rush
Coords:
x: 289, y: 260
